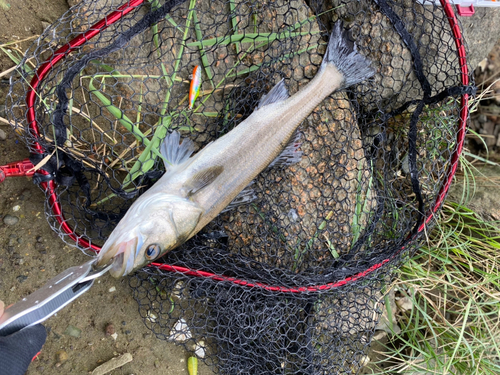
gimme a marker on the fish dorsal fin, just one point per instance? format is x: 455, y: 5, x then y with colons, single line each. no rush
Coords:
x: 277, y: 94
x: 201, y: 179
x: 174, y: 152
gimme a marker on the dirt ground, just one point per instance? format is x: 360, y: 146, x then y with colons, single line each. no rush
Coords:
x: 31, y: 253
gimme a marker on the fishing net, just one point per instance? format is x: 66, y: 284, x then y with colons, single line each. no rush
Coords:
x: 292, y: 282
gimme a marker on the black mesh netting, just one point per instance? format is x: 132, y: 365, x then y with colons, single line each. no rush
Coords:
x: 293, y: 281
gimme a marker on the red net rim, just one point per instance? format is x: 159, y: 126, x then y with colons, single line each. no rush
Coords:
x: 50, y: 186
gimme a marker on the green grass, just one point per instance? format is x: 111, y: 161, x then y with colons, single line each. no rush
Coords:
x: 454, y: 283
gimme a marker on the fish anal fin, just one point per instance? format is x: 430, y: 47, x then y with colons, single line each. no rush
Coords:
x: 245, y: 196
x: 277, y: 94
x: 201, y: 179
x: 290, y: 155
x: 174, y: 151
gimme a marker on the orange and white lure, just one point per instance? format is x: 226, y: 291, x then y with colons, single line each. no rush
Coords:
x: 194, y: 88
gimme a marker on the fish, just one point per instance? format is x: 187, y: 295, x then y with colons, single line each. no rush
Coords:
x: 194, y: 86
x: 196, y: 188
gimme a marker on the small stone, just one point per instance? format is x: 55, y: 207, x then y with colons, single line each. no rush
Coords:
x: 12, y: 242
x: 489, y: 128
x: 39, y: 246
x: 16, y: 208
x: 73, y: 331
x: 39, y: 239
x: 124, y: 323
x: 110, y: 329
x: 61, y: 356
x: 128, y: 332
x: 45, y: 25
x: 379, y: 335
x: 19, y: 240
x: 114, y: 336
x: 112, y: 289
x: 199, y: 349
x: 10, y: 220
x: 3, y: 136
x: 404, y: 303
x: 151, y: 316
x: 21, y: 278
x: 180, y: 332
x: 364, y: 360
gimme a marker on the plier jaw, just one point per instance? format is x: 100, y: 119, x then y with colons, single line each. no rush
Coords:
x: 52, y: 297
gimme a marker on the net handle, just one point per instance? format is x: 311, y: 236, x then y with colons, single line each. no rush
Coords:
x: 50, y: 186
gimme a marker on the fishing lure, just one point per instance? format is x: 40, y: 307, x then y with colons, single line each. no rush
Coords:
x: 194, y: 88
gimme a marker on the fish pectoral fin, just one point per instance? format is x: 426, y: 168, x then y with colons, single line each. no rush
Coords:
x: 277, y: 94
x: 201, y: 179
x: 174, y: 152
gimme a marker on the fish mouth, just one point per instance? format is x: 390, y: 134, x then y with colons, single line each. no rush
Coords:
x: 122, y: 255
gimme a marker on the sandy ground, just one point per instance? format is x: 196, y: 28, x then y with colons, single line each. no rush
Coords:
x: 31, y: 253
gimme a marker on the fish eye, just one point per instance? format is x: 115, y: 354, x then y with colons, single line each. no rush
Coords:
x: 152, y: 251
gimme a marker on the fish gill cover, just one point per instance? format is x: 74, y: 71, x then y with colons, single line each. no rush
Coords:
x: 292, y: 282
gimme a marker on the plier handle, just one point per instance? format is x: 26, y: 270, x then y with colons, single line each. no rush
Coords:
x: 52, y: 297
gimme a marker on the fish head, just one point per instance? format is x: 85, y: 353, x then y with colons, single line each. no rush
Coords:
x: 150, y: 229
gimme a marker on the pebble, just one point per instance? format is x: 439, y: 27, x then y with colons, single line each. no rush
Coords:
x: 180, y: 332
x: 379, y: 335
x: 110, y: 329
x: 39, y: 246
x: 73, y: 331
x: 10, y: 220
x: 3, y: 136
x: 61, y: 356
x: 124, y: 323
x: 39, y: 239
x: 16, y: 208
x: 12, y: 242
x: 21, y: 278
x: 128, y: 332
x: 112, y: 289
x: 404, y: 303
x: 19, y: 240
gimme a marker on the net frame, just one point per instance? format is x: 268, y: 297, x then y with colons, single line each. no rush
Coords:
x: 49, y: 186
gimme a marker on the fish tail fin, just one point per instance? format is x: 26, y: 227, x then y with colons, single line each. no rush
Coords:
x: 343, y: 54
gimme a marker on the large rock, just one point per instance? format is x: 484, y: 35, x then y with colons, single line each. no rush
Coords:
x: 481, y: 31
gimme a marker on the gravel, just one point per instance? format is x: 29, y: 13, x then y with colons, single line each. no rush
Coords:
x: 10, y: 220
